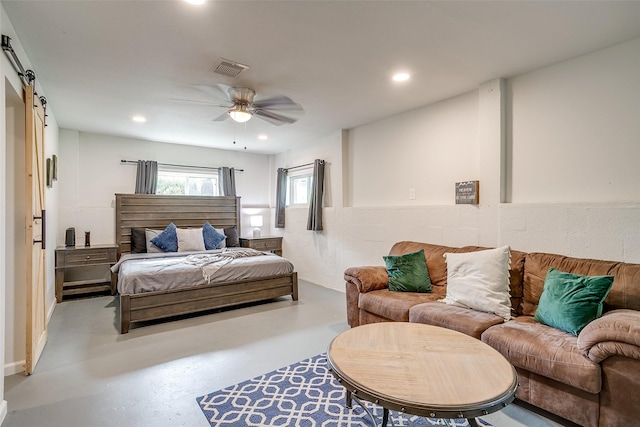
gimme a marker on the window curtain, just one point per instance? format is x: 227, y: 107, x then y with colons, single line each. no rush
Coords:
x: 281, y: 196
x: 147, y: 177
x: 317, y: 191
x: 227, y: 181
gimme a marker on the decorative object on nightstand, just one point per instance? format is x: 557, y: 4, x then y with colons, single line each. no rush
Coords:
x: 270, y: 244
x: 256, y: 221
x: 87, y: 238
x: 71, y: 257
x: 70, y: 237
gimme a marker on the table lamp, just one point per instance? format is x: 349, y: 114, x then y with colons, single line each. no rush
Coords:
x: 256, y: 221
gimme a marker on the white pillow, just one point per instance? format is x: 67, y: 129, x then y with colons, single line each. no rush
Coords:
x: 148, y: 235
x: 190, y: 239
x: 480, y: 280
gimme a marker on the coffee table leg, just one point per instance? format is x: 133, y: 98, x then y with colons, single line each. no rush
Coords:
x: 385, y: 417
x: 472, y: 422
x: 348, y: 403
x: 351, y: 397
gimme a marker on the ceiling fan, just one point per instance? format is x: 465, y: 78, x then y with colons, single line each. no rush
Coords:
x: 242, y: 106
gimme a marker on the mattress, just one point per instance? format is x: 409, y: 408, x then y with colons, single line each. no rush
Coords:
x: 149, y: 272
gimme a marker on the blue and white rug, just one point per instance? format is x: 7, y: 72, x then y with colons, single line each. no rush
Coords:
x: 304, y: 394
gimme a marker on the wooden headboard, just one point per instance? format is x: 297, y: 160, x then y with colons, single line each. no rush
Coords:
x: 153, y: 211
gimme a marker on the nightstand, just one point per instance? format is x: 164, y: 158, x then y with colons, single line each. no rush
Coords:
x: 271, y: 244
x: 84, y: 256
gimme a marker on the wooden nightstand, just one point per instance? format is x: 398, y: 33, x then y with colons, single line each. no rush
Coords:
x: 84, y: 256
x: 272, y: 244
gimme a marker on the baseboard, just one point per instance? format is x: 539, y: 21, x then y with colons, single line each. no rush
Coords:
x: 51, y: 308
x: 14, y: 367
x: 18, y: 367
x: 3, y: 411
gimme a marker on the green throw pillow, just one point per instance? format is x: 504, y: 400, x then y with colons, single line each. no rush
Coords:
x: 408, y: 273
x: 570, y: 301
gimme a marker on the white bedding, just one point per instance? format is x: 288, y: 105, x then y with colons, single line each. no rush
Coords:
x: 149, y: 272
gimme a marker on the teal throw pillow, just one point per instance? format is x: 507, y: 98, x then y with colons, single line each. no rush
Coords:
x: 570, y: 301
x: 408, y: 273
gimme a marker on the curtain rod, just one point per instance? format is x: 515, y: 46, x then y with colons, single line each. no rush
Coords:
x: 134, y: 162
x: 299, y: 166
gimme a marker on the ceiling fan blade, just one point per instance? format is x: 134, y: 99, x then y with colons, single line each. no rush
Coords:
x: 278, y: 103
x: 193, y: 101
x: 273, y: 118
x: 218, y: 91
x: 222, y: 117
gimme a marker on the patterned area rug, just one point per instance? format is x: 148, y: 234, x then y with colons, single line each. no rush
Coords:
x: 304, y: 394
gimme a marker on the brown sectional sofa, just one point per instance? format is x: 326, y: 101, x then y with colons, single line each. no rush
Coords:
x: 592, y: 379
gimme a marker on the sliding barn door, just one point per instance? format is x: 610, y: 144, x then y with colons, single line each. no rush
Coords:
x: 36, y: 230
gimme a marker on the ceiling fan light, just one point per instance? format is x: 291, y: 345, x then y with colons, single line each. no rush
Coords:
x: 239, y: 114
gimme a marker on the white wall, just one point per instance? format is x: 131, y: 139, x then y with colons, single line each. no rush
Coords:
x: 90, y: 173
x: 576, y: 129
x: 537, y: 125
x: 317, y: 254
x: 428, y: 149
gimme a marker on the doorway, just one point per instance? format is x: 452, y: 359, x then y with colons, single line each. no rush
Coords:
x: 14, y: 250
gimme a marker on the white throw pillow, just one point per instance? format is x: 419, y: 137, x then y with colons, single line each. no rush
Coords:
x: 149, y: 235
x: 190, y: 239
x: 480, y: 280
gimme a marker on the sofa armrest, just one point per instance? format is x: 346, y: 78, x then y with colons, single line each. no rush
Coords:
x: 367, y: 278
x: 616, y: 333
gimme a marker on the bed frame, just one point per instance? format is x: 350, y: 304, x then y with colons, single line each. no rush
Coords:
x: 153, y: 211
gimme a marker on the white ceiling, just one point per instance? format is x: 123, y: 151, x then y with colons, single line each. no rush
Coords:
x: 101, y: 62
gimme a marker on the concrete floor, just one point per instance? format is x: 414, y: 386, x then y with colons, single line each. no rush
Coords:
x: 90, y: 375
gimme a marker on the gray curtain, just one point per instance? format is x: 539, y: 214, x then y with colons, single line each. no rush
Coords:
x: 281, y: 197
x: 147, y: 177
x: 317, y: 191
x: 227, y: 181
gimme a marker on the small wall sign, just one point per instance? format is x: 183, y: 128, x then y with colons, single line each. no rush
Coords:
x: 468, y: 193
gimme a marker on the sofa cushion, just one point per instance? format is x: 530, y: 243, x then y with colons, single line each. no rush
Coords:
x: 616, y: 333
x: 480, y: 280
x: 434, y: 255
x: 625, y: 292
x: 393, y: 305
x: 465, y: 320
x: 570, y: 301
x: 436, y: 264
x: 408, y: 272
x: 544, y: 350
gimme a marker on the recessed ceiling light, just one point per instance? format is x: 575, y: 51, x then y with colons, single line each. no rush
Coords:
x: 263, y: 137
x: 139, y: 119
x: 196, y: 2
x: 401, y: 77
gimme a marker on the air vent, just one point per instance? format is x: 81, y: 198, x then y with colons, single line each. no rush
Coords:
x: 228, y: 68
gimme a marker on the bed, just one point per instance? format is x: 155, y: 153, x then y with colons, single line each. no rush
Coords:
x: 141, y: 211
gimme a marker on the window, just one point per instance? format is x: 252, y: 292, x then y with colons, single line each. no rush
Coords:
x: 299, y: 189
x: 172, y: 182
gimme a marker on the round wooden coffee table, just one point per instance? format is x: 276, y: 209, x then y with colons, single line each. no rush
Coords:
x: 421, y: 370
